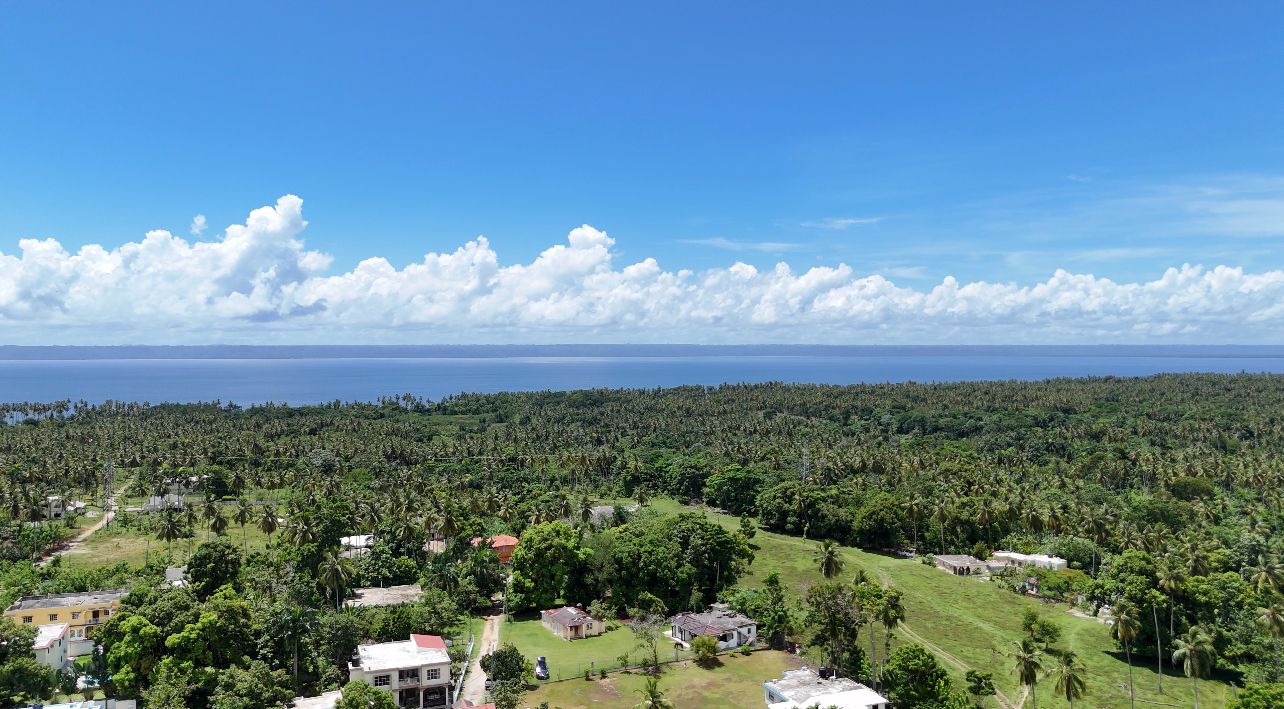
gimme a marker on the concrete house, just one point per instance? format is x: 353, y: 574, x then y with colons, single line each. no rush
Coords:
x: 570, y: 623
x: 503, y: 544
x: 50, y: 645
x: 805, y: 688
x: 1042, y: 561
x: 731, y: 629
x: 416, y: 671
x: 959, y: 564
x: 82, y: 612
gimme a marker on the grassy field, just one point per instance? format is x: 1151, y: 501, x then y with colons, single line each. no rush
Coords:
x: 570, y: 658
x: 973, y: 624
x: 735, y: 683
x: 113, y: 544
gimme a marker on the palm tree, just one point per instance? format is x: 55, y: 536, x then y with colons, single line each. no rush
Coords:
x: 1069, y: 675
x: 890, y: 614
x: 585, y: 509
x: 335, y: 572
x: 1027, y: 666
x: 268, y: 523
x: 941, y: 513
x: 1172, y: 580
x: 1125, y: 630
x: 1271, y: 619
x: 244, y: 513
x: 170, y: 529
x: 218, y: 523
x: 914, y: 508
x: 828, y: 559
x: 652, y: 697
x: 1193, y: 650
x: 1267, y: 576
x: 640, y: 495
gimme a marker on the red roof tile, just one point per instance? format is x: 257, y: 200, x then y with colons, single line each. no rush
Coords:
x: 429, y: 642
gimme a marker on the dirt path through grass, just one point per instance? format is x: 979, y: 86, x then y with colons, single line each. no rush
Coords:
x: 475, y: 682
x: 958, y: 664
x: 69, y: 546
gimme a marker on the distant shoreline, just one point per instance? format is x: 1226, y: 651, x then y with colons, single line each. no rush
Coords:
x: 143, y: 352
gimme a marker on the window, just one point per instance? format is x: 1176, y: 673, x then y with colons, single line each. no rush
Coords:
x: 77, y: 633
x: 75, y: 615
x: 382, y: 680
x: 27, y: 619
x: 53, y: 617
x: 408, y: 675
x: 590, y: 626
x: 433, y: 673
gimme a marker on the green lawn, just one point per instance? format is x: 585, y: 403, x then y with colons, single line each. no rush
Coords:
x: 735, y: 683
x: 113, y: 544
x: 570, y: 658
x: 972, y: 623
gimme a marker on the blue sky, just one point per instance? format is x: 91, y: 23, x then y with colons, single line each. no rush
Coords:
x: 994, y: 142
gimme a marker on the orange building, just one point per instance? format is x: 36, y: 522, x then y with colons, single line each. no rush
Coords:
x: 503, y: 544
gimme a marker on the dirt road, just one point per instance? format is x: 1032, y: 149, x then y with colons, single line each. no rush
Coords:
x: 475, y: 682
x: 75, y: 541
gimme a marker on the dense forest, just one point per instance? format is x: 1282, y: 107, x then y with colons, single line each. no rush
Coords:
x: 1164, y: 493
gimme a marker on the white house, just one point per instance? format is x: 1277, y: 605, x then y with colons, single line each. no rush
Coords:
x: 50, y: 645
x: 1042, y: 561
x: 805, y: 688
x: 416, y: 671
x: 730, y: 628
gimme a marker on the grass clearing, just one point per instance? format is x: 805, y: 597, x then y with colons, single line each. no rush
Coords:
x: 113, y: 544
x: 735, y: 683
x: 975, y: 622
x: 570, y: 658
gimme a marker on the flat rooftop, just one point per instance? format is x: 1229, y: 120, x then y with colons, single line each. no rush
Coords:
x: 326, y: 700
x: 802, y: 686
x: 388, y: 596
x: 419, y: 650
x: 64, y: 600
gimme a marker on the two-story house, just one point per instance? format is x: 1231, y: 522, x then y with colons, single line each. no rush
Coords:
x: 82, y: 612
x: 416, y: 671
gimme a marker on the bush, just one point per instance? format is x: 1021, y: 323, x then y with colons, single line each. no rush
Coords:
x: 705, y: 648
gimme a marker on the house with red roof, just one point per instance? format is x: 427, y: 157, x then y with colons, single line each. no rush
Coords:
x: 570, y: 623
x: 503, y: 544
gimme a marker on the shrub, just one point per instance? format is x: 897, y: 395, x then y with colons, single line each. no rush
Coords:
x: 705, y: 648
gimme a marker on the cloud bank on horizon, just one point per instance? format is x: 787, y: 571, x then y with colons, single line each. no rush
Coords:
x: 258, y: 282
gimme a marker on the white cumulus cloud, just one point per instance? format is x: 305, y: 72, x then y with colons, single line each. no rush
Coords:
x: 258, y: 282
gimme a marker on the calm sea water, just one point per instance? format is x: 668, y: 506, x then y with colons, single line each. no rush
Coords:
x: 311, y: 375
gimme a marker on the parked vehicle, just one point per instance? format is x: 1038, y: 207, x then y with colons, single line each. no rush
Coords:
x: 541, y: 668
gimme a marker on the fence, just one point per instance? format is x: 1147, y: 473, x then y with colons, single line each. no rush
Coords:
x: 468, y: 661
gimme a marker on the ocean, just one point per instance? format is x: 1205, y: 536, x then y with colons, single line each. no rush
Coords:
x: 316, y: 374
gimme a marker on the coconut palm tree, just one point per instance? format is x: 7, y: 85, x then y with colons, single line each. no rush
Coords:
x: 1069, y: 676
x: 1125, y: 630
x: 1271, y: 619
x: 652, y: 697
x: 914, y: 509
x: 170, y: 529
x: 218, y: 523
x: 1027, y: 665
x: 1193, y: 651
x: 828, y: 559
x: 890, y: 614
x: 335, y: 572
x: 641, y: 496
x: 268, y: 523
x: 244, y: 513
x: 1267, y: 576
x: 942, y: 511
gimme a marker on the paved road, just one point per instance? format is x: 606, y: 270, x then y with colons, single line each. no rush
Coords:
x: 475, y: 682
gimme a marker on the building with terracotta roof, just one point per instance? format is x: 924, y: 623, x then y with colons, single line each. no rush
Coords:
x: 731, y: 629
x: 416, y: 671
x: 503, y: 544
x: 570, y: 623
